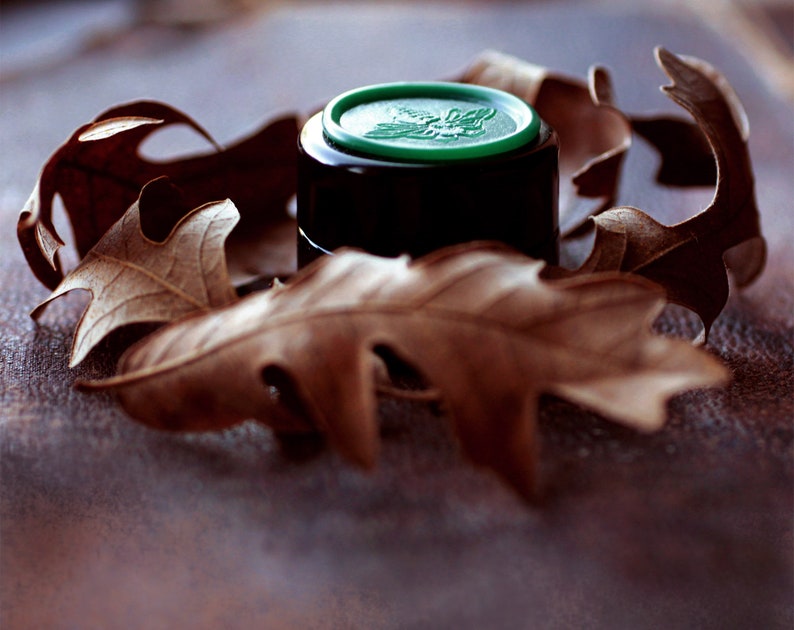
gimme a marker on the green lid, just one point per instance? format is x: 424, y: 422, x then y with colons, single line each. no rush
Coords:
x: 429, y: 122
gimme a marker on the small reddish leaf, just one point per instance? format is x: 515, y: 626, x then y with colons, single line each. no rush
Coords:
x: 99, y: 173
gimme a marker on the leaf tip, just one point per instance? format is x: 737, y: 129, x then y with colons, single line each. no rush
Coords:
x: 79, y: 351
x: 38, y: 311
x: 666, y: 61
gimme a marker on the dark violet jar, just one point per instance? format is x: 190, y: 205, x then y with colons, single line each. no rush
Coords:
x: 412, y: 167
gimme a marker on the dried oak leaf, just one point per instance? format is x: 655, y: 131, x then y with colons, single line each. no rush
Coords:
x: 134, y: 279
x: 475, y: 321
x: 99, y: 173
x: 689, y: 259
x: 594, y: 134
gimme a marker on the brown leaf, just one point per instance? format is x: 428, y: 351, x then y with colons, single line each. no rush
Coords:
x: 474, y: 321
x: 687, y: 259
x: 99, y: 173
x: 134, y: 279
x: 594, y: 134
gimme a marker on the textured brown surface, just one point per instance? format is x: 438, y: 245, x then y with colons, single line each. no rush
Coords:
x: 109, y: 524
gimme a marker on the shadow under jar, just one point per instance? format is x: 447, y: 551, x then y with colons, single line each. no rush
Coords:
x: 413, y: 167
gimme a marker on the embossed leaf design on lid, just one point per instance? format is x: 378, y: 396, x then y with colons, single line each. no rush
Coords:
x: 422, y: 125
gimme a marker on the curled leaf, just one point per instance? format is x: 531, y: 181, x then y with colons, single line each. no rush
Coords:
x: 594, y: 134
x: 99, y: 173
x: 476, y: 322
x: 688, y: 259
x: 134, y: 279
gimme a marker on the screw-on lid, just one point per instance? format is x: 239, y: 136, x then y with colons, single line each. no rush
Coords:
x: 429, y: 122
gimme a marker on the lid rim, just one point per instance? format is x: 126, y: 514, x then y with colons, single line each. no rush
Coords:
x: 523, y: 115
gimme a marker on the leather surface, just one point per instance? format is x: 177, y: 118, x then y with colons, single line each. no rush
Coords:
x: 108, y: 524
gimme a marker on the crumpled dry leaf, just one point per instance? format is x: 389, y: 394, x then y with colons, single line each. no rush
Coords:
x: 99, y: 173
x: 689, y: 259
x: 475, y: 321
x: 133, y: 279
x: 594, y: 134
